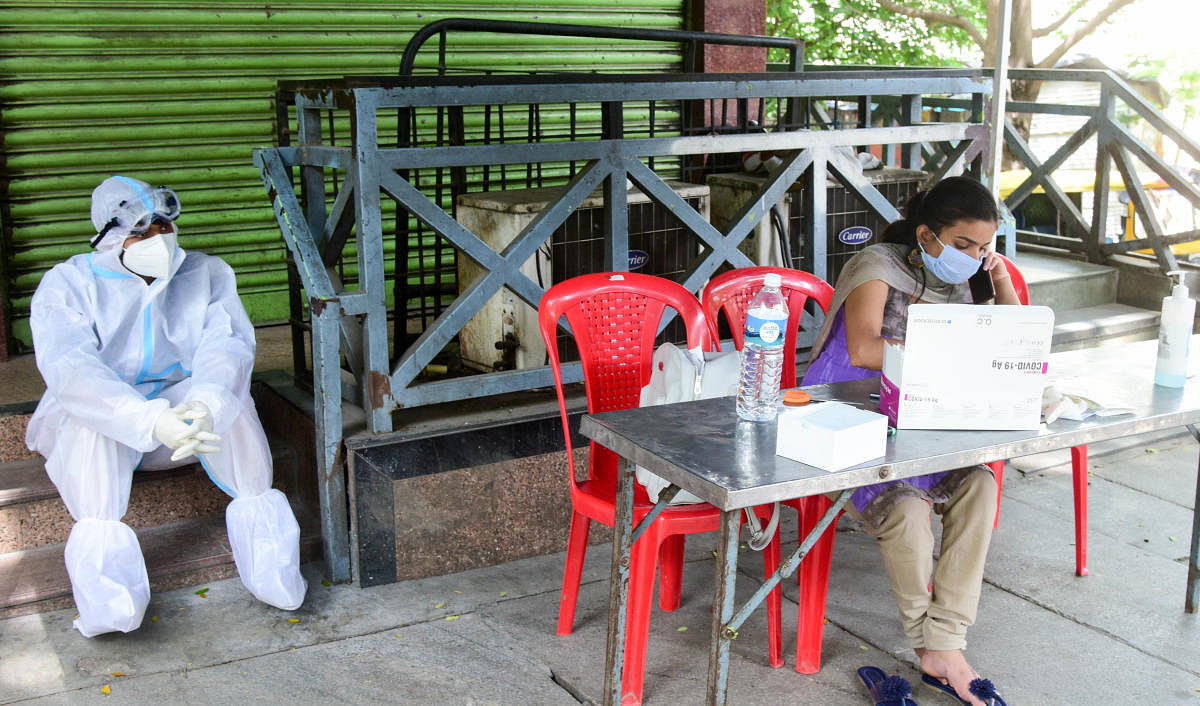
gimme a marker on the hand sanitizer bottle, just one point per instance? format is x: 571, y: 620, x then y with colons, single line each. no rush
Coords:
x: 1174, y: 334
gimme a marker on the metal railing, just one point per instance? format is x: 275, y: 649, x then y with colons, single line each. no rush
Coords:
x: 1116, y: 146
x: 337, y: 205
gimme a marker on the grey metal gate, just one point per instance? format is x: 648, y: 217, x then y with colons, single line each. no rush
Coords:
x: 316, y: 225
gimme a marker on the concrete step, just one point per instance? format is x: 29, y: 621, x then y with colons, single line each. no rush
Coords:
x: 32, y: 514
x: 13, y: 421
x: 177, y: 554
x: 178, y: 514
x: 1101, y: 325
x: 1063, y: 284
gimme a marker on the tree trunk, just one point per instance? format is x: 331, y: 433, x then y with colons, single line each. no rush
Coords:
x: 1020, y: 56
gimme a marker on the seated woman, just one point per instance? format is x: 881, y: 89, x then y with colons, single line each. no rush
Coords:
x: 928, y: 256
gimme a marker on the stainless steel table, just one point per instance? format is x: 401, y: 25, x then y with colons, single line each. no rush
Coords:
x: 703, y: 448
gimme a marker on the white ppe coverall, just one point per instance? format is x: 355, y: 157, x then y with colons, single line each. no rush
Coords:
x: 116, y: 353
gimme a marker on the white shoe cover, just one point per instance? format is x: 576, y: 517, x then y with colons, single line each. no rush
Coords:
x: 108, y: 577
x: 265, y: 540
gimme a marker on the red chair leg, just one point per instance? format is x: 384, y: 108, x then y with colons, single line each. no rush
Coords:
x: 637, y: 618
x: 813, y: 577
x: 670, y: 572
x: 1079, y: 471
x: 572, y: 572
x: 774, y: 604
x: 998, y: 472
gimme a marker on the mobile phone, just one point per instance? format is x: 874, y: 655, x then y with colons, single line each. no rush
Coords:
x: 981, y: 286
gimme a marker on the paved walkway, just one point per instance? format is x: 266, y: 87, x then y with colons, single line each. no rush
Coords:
x: 1044, y: 636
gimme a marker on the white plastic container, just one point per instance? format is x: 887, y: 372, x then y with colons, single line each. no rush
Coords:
x: 831, y: 435
x: 1174, y: 335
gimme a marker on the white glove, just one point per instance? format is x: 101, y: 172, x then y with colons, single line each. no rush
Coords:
x: 187, y: 428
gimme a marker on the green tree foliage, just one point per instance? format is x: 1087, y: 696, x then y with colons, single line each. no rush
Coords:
x: 862, y: 32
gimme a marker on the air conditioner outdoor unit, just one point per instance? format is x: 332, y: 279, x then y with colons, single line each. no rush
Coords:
x: 851, y: 224
x: 504, y: 334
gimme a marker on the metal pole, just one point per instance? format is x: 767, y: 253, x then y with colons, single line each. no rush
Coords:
x: 999, y: 93
x: 618, y: 584
x: 1191, y: 602
x: 996, y: 143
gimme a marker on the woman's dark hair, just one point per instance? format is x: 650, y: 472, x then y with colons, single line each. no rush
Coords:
x: 948, y: 202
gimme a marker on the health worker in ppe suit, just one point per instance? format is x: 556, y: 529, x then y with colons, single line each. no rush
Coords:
x: 147, y: 352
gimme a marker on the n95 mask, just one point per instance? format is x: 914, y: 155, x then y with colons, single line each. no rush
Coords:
x: 151, y: 257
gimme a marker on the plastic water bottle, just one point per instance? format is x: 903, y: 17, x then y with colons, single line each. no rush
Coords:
x: 762, y: 353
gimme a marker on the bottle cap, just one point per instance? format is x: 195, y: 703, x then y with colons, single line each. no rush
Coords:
x: 772, y: 279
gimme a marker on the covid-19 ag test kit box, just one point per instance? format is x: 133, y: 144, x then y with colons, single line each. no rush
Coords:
x: 964, y: 366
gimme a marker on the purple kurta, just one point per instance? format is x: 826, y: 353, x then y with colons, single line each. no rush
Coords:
x: 833, y: 365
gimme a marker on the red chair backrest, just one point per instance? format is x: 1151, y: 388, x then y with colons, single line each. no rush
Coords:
x: 614, y: 319
x: 732, y: 291
x: 1018, y: 280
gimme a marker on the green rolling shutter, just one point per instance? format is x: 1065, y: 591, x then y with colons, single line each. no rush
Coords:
x: 179, y: 93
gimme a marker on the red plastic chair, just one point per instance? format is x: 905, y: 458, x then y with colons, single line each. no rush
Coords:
x: 731, y: 293
x: 1079, y: 457
x: 614, y: 318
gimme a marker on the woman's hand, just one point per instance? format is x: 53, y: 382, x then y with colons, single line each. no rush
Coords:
x: 1001, y: 280
x: 993, y: 264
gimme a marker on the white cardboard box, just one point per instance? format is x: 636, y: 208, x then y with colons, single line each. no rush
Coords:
x: 968, y: 367
x: 830, y: 435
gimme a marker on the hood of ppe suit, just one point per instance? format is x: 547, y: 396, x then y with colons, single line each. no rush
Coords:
x: 122, y: 206
x: 106, y: 202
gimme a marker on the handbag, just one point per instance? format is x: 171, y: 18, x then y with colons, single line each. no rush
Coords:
x: 682, y: 375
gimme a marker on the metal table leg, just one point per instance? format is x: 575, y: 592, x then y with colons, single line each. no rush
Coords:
x: 726, y: 622
x: 618, y: 583
x: 1192, y: 599
x: 722, y: 634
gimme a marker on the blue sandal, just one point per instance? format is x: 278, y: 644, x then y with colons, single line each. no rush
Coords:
x: 981, y: 688
x: 885, y: 690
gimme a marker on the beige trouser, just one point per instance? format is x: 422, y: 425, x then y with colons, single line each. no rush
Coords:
x: 938, y: 620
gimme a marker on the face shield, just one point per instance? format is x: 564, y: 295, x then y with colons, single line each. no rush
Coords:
x: 129, y: 206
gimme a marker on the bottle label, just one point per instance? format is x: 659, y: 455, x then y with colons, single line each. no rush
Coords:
x: 767, y: 333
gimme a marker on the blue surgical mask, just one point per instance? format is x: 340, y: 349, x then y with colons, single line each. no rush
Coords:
x: 953, y: 266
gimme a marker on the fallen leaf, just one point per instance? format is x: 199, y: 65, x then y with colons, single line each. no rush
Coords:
x: 325, y: 583
x: 1171, y: 539
x: 154, y: 618
x: 1152, y: 451
x: 293, y: 620
x: 117, y: 674
x: 459, y: 592
x: 864, y: 648
x: 452, y: 617
x: 106, y: 690
x: 440, y: 605
x: 503, y: 594
x: 399, y: 636
x: 681, y: 628
x: 202, y: 592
